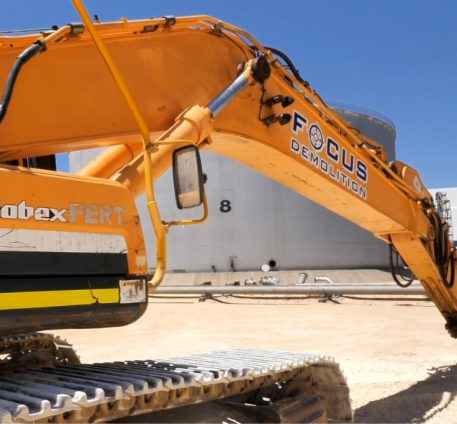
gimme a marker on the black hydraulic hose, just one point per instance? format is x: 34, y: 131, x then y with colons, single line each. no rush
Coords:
x: 451, y: 264
x: 21, y: 60
x: 444, y: 256
x: 289, y: 63
x: 408, y: 281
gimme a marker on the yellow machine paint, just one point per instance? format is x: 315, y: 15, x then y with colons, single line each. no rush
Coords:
x: 47, y: 299
x: 144, y: 87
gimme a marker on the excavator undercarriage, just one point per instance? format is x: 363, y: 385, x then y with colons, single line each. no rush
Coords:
x: 41, y: 380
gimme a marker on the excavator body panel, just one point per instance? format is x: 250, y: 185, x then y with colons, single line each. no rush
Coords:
x: 70, y: 249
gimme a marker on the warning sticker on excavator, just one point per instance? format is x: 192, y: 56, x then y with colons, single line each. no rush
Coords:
x: 132, y: 291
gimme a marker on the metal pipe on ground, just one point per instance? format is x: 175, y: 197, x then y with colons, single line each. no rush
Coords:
x: 320, y: 290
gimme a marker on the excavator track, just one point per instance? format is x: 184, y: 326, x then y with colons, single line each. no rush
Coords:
x: 70, y: 392
x: 35, y: 350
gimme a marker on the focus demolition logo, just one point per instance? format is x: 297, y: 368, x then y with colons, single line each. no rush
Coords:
x: 316, y: 137
x: 328, y: 156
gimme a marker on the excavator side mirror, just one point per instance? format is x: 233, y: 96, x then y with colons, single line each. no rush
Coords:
x: 188, y: 177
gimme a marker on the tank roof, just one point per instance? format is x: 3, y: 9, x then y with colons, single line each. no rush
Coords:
x: 360, y: 110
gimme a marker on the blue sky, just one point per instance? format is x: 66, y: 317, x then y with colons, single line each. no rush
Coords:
x: 397, y: 57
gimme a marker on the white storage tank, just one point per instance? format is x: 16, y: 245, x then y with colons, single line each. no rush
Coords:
x: 255, y: 221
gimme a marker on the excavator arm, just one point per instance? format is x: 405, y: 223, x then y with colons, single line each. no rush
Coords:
x: 146, y: 87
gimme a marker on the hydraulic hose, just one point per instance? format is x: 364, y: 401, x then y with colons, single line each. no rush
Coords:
x: 444, y: 254
x: 290, y: 64
x: 393, y: 267
x: 21, y: 60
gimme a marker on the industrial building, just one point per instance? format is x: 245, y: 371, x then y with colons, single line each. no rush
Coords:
x: 446, y: 201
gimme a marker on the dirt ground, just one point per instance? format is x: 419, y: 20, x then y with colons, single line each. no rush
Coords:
x: 400, y: 363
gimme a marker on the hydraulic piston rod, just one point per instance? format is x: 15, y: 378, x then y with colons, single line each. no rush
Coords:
x: 260, y: 70
x: 218, y: 104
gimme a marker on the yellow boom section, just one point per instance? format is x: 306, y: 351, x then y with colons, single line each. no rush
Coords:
x: 66, y: 100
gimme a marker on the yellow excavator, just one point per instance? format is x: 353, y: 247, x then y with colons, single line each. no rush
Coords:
x: 154, y: 92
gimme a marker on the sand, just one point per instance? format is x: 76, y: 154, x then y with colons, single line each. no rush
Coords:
x: 399, y: 361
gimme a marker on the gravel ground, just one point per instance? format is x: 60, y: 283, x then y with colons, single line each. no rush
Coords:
x: 399, y: 361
